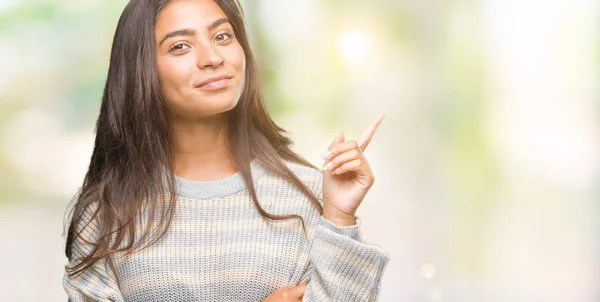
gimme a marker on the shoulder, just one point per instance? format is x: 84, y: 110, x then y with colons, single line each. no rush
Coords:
x: 311, y: 177
x: 303, y: 171
x: 307, y: 174
x: 85, y: 220
x: 273, y: 184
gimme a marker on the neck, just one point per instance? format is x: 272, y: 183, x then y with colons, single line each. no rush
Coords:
x: 200, y: 151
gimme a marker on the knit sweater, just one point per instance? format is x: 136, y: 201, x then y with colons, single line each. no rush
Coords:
x: 219, y: 248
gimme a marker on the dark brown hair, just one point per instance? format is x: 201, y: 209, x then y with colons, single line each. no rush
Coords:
x: 131, y: 148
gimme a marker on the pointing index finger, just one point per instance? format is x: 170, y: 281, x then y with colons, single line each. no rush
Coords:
x: 365, y: 137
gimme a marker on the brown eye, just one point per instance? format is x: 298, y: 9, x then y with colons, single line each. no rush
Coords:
x: 178, y: 46
x: 223, y: 36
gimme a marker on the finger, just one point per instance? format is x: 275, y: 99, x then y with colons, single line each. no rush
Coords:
x: 338, y: 140
x: 343, y: 158
x: 353, y: 165
x: 341, y: 148
x: 298, y: 291
x: 365, y: 137
x: 361, y: 169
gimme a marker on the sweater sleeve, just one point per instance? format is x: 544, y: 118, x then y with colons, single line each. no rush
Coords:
x: 96, y: 283
x: 342, y: 266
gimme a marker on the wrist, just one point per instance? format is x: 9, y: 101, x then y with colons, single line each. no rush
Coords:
x: 338, y: 218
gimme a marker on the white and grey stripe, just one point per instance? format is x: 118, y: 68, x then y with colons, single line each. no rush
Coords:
x: 219, y: 248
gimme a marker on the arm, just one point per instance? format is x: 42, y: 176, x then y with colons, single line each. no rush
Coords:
x: 96, y: 283
x: 343, y: 267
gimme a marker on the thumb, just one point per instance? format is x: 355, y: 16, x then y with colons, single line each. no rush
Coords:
x: 298, y: 290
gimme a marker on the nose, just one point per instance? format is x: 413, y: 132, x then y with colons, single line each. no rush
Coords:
x: 208, y: 56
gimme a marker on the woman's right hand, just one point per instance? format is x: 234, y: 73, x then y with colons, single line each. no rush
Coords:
x: 285, y: 294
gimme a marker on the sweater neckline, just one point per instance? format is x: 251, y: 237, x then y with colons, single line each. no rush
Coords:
x: 217, y: 188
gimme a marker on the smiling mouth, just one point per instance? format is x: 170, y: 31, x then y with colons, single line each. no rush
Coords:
x: 220, y: 84
x: 213, y: 83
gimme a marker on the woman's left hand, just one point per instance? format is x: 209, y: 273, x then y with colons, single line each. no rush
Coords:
x: 347, y: 176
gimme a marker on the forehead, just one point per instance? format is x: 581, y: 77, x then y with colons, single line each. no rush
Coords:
x: 197, y: 14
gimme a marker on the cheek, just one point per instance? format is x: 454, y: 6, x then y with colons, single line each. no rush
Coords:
x: 173, y: 75
x: 243, y: 75
x: 243, y: 64
x: 239, y: 64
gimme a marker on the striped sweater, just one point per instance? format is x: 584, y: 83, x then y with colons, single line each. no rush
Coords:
x: 219, y: 248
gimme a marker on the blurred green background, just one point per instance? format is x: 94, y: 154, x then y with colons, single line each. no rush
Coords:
x: 487, y: 164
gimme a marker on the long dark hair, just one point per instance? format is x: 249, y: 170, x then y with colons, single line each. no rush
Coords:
x: 131, y: 149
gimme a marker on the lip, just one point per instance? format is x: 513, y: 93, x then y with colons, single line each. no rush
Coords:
x: 216, y: 82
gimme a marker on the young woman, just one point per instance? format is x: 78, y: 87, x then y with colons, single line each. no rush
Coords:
x: 193, y: 193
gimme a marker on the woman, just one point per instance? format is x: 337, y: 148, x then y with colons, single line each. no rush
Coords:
x: 193, y: 193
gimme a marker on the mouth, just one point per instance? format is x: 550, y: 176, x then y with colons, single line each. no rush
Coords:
x: 217, y: 82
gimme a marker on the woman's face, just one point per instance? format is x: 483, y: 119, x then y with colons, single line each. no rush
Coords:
x: 195, y: 45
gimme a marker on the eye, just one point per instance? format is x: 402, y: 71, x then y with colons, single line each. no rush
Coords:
x: 178, y: 47
x: 223, y: 36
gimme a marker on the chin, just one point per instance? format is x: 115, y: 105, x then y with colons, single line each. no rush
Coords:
x: 218, y: 105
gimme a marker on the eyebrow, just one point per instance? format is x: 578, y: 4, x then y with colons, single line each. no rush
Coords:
x: 191, y: 32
